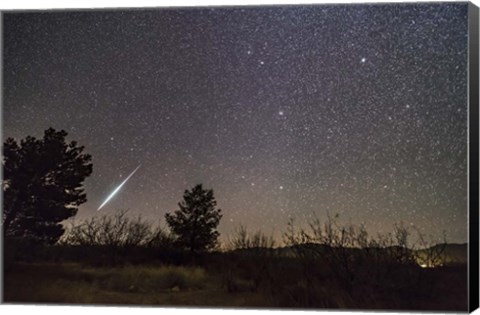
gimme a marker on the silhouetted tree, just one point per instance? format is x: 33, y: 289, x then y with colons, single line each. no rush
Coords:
x: 195, y: 223
x: 117, y: 230
x: 42, y: 185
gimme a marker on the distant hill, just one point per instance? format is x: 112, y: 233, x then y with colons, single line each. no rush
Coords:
x: 453, y: 253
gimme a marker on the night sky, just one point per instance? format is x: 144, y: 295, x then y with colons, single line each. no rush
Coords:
x: 359, y: 110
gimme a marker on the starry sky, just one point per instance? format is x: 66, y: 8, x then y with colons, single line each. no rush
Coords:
x: 359, y: 110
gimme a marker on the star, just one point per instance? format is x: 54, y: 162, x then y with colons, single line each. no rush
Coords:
x: 253, y: 107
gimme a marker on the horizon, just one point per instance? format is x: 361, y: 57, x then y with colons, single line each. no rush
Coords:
x: 359, y: 110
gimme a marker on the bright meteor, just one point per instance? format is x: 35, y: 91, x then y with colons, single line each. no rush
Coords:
x: 118, y: 188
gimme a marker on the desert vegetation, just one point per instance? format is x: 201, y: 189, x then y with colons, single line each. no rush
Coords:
x: 125, y: 259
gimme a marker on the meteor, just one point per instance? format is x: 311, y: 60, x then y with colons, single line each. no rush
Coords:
x: 118, y: 188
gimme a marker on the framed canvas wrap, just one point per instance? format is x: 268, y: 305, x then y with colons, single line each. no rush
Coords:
x: 300, y: 157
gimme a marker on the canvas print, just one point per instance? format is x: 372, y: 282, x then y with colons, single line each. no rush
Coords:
x: 281, y: 157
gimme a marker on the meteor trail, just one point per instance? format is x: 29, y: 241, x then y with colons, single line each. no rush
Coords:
x: 118, y: 188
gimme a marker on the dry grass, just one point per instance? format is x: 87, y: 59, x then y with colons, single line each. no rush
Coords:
x: 141, y: 285
x: 282, y: 286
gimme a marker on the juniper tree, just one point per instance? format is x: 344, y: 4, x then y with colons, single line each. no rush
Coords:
x: 195, y: 223
x: 42, y: 185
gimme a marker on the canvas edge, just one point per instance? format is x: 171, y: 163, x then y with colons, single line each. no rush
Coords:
x: 2, y: 270
x: 473, y: 84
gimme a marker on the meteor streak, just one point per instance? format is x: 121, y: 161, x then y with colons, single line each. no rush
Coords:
x: 118, y: 188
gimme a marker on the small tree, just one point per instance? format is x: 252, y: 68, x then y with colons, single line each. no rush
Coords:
x: 42, y: 185
x: 195, y: 223
x: 114, y: 231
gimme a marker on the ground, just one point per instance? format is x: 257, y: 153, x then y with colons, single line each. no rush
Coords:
x: 145, y: 285
x: 191, y: 285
